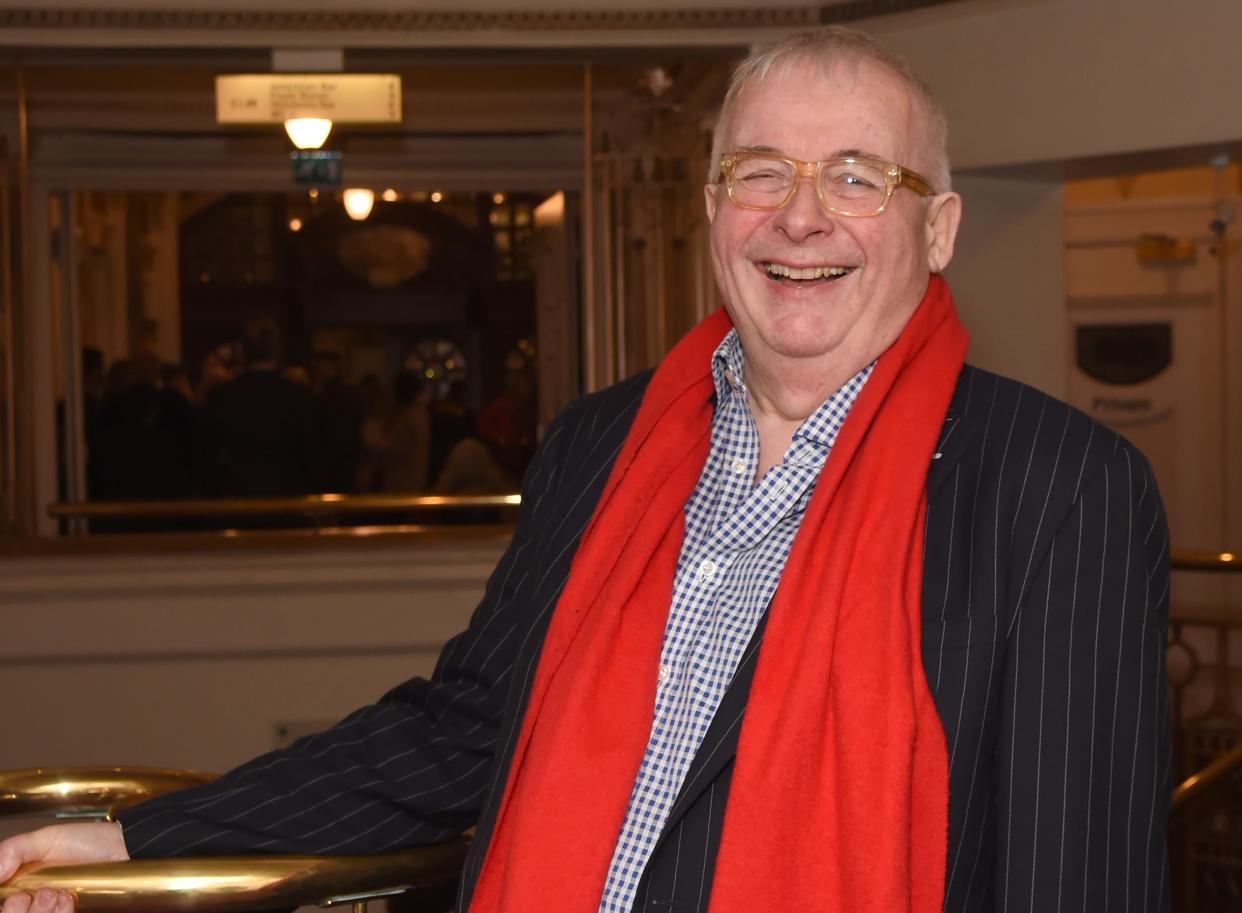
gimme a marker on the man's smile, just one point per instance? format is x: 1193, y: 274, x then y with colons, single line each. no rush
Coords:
x: 802, y: 275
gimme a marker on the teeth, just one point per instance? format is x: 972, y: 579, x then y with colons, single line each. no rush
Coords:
x: 804, y: 274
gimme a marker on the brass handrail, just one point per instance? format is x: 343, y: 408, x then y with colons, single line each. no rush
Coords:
x: 220, y: 884
x: 306, y: 505
x: 88, y: 792
x: 1191, y: 560
x: 328, y: 504
x: 1198, y: 786
x: 231, y: 884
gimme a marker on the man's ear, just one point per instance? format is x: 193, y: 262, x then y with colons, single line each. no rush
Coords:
x: 709, y: 197
x: 944, y: 214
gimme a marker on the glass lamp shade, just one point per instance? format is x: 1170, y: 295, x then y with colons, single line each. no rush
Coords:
x: 358, y: 202
x: 308, y: 132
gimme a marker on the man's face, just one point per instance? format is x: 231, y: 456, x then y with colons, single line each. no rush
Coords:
x: 845, y: 320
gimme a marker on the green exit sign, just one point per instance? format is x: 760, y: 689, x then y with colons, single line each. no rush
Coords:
x: 316, y: 167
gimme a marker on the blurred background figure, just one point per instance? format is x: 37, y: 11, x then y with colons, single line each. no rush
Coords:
x: 451, y: 420
x: 377, y: 411
x: 141, y: 445
x: 258, y: 429
x: 507, y: 423
x: 219, y: 365
x: 472, y: 470
x: 298, y: 374
x: 338, y: 423
x: 404, y: 443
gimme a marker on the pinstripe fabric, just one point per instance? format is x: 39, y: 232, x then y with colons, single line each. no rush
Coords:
x: 1045, y: 597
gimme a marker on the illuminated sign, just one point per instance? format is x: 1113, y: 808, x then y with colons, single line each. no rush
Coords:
x: 344, y: 98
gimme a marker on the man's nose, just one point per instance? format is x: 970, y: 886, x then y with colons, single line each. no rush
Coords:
x: 804, y: 215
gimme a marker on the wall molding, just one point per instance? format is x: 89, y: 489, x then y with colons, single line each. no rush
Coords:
x: 409, y: 21
x: 36, y: 19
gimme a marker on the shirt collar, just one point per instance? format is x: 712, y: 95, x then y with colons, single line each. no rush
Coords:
x: 820, y: 427
x: 729, y: 366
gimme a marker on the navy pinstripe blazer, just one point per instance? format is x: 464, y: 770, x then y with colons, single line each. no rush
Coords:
x: 1045, y: 600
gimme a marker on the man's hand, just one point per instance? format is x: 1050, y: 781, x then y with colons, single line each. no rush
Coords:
x: 66, y: 844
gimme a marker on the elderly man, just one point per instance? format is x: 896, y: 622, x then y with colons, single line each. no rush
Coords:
x: 814, y: 617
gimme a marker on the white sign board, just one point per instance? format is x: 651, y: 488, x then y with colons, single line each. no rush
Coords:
x: 346, y: 98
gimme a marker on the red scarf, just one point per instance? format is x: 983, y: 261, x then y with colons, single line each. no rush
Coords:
x: 840, y: 786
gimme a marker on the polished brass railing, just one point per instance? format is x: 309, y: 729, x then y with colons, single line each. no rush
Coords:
x: 331, y: 505
x: 88, y: 792
x: 301, y: 505
x: 1193, y: 560
x: 1205, y: 844
x: 233, y: 884
x: 426, y: 875
x: 1224, y: 771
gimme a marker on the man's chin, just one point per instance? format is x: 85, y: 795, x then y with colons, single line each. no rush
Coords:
x: 796, y: 342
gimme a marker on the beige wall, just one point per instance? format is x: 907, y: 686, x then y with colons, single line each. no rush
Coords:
x: 1008, y: 278
x: 197, y: 660
x: 1054, y: 80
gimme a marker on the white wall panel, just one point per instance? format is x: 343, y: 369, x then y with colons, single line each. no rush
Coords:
x: 197, y: 660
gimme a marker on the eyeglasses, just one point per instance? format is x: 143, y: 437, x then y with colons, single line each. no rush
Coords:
x: 845, y: 186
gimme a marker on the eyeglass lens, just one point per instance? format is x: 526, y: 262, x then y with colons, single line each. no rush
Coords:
x: 765, y: 182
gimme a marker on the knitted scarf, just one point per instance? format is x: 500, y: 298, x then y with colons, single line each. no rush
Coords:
x: 839, y: 794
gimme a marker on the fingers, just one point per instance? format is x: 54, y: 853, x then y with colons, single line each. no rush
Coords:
x: 45, y: 901
x: 18, y: 903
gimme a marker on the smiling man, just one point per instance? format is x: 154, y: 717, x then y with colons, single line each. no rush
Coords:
x: 813, y: 617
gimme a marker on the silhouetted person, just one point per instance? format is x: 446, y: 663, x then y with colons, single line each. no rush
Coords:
x: 451, y: 421
x: 93, y: 381
x: 178, y: 421
x: 141, y: 443
x: 258, y: 429
x: 338, y: 423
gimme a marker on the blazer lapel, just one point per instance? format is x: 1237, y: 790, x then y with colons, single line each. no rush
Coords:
x: 958, y: 431
x: 952, y: 444
x: 719, y: 745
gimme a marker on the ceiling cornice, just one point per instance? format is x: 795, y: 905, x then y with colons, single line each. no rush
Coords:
x: 732, y: 25
x: 408, y: 21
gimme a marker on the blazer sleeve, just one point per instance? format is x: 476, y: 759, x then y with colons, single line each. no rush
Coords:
x: 411, y: 768
x: 1083, y: 766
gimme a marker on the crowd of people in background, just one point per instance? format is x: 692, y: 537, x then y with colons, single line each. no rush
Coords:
x: 253, y: 426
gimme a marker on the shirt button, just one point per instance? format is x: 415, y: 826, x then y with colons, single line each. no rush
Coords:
x: 738, y: 465
x: 664, y: 673
x: 707, y: 569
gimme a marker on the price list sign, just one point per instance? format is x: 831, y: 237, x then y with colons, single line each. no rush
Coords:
x: 345, y: 98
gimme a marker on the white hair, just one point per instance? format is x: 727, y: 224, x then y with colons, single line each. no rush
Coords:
x: 831, y: 46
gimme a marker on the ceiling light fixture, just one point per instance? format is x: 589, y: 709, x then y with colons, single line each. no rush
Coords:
x: 308, y: 132
x: 358, y: 202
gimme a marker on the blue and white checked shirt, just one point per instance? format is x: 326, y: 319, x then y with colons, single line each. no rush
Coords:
x: 737, y: 540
